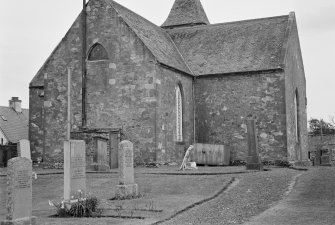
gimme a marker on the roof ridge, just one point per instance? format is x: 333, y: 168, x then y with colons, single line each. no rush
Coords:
x: 111, y: 2
x: 231, y: 22
x: 114, y: 2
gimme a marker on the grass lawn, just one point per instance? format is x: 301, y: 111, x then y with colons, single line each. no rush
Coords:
x: 163, y: 195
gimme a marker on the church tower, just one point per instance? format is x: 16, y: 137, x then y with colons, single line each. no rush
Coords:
x: 186, y: 13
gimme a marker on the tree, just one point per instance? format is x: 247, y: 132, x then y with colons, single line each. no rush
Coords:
x: 318, y: 127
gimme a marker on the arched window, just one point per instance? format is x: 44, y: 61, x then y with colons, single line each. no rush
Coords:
x: 179, y: 113
x: 97, y: 52
x: 296, y: 113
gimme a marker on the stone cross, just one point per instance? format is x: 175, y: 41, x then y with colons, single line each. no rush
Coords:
x: 23, y: 149
x: 74, y: 168
x: 19, y: 192
x: 253, y: 159
x: 126, y: 188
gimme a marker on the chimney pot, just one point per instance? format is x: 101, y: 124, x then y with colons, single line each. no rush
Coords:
x: 15, y: 103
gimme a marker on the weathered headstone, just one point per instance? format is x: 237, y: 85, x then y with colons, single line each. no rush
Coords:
x: 325, y: 156
x: 23, y: 149
x: 253, y: 159
x: 74, y: 168
x: 100, y: 159
x: 19, y: 192
x: 126, y: 188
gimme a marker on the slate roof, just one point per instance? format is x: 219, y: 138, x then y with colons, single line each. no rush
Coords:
x: 251, y: 45
x: 234, y: 47
x: 16, y: 126
x: 186, y: 13
x: 155, y: 38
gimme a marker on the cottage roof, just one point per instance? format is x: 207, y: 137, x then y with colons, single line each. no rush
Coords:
x: 14, y: 125
x: 155, y: 38
x: 186, y: 13
x: 242, y: 46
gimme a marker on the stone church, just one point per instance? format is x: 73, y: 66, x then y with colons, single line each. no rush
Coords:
x: 165, y: 88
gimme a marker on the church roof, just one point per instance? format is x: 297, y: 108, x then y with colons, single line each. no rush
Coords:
x: 186, y: 13
x: 14, y: 125
x: 155, y: 38
x: 242, y: 46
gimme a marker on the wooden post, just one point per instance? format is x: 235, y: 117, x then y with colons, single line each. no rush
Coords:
x: 68, y: 104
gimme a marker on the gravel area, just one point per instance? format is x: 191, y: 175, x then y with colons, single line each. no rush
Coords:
x: 253, y: 194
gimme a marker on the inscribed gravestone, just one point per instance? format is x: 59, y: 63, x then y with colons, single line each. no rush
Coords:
x: 100, y: 159
x: 126, y: 188
x: 74, y: 168
x: 19, y: 192
x: 23, y: 149
x: 253, y: 159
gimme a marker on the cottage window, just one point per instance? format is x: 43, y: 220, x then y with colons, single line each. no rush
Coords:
x: 179, y: 114
x: 97, y: 52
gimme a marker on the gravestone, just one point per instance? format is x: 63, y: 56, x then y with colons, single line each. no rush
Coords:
x: 23, y: 149
x: 126, y: 188
x: 19, y: 192
x: 253, y: 159
x: 100, y: 158
x: 74, y: 168
x: 325, y: 156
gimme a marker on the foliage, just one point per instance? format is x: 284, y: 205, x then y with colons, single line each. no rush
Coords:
x: 320, y: 126
x: 78, y: 206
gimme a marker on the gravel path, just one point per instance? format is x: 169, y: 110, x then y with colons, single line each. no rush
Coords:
x: 252, y: 195
x: 312, y: 202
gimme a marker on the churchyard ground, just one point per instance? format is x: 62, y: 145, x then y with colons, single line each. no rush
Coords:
x: 166, y: 192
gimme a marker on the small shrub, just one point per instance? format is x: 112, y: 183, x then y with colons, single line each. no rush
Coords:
x: 78, y: 207
x: 238, y: 163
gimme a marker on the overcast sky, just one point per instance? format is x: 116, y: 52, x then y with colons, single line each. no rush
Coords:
x: 31, y: 29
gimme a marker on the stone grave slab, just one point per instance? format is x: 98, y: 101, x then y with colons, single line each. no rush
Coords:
x: 74, y: 168
x: 126, y: 188
x: 253, y: 161
x: 100, y: 159
x: 19, y: 192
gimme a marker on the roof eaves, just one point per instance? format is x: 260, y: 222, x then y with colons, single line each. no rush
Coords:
x: 174, y: 69
x: 250, y: 72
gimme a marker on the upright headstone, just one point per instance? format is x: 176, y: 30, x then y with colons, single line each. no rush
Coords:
x: 23, y: 149
x: 100, y: 159
x: 253, y: 159
x: 126, y: 188
x: 74, y: 168
x: 19, y: 192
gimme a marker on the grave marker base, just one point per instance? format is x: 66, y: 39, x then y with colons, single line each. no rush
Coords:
x: 254, y: 163
x: 22, y: 221
x: 99, y: 167
x: 126, y: 191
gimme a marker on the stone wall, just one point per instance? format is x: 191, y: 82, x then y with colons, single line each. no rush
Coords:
x: 168, y: 149
x: 122, y: 91
x: 223, y: 102
x: 295, y: 82
x: 36, y: 122
x: 315, y: 142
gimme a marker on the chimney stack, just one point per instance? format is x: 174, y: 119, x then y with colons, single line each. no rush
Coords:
x: 15, y: 103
